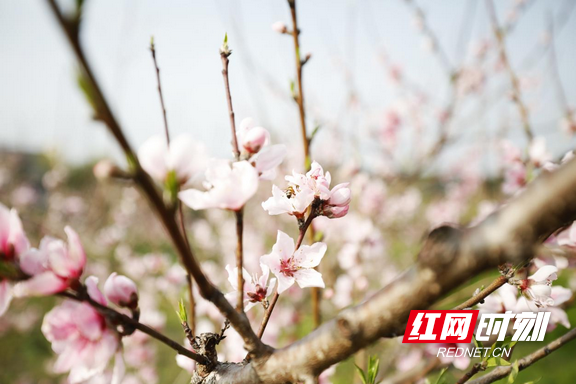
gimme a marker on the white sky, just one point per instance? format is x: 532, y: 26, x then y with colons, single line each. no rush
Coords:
x: 41, y: 107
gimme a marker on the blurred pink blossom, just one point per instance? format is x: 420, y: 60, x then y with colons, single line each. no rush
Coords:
x: 183, y: 156
x: 227, y: 187
x: 53, y: 267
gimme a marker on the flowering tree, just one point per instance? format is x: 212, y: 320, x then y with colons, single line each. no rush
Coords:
x: 528, y: 236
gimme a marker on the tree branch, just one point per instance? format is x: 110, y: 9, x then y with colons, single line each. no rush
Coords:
x: 448, y: 258
x: 500, y: 281
x: 503, y: 371
x: 128, y: 321
x: 238, y: 320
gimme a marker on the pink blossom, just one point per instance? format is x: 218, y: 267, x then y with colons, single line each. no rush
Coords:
x: 13, y: 243
x: 84, y: 343
x: 53, y: 268
x: 537, y: 288
x: 183, y: 156
x: 121, y: 291
x: 303, y: 189
x: 256, y: 289
x: 13, y: 240
x: 255, y: 147
x: 515, y: 178
x: 539, y: 155
x: 279, y: 27
x: 227, y: 187
x: 290, y: 265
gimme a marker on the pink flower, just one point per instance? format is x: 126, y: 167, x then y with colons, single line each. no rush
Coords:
x: 537, y: 288
x: 304, y: 189
x: 515, y: 178
x: 279, y: 27
x: 256, y: 149
x: 339, y: 201
x: 53, y: 268
x: 84, y: 343
x: 227, y: 187
x: 184, y: 157
x: 121, y: 291
x: 13, y: 242
x: 539, y: 155
x: 290, y: 265
x: 256, y: 289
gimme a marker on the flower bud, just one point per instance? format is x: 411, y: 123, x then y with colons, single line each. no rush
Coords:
x: 254, y: 139
x: 121, y: 291
x: 340, y: 195
x: 335, y: 212
x: 279, y: 27
x: 106, y: 169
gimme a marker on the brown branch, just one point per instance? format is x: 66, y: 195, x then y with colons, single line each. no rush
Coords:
x: 299, y: 98
x: 207, y: 289
x: 516, y: 95
x: 503, y: 371
x: 474, y: 370
x: 500, y: 281
x: 127, y: 321
x: 239, y: 258
x: 268, y: 313
x: 225, y: 61
x: 448, y: 259
x: 153, y: 51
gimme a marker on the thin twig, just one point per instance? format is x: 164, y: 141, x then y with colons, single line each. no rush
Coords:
x: 528, y: 360
x: 474, y: 370
x: 207, y: 289
x: 299, y: 98
x: 239, y: 258
x: 124, y: 320
x: 225, y: 61
x: 500, y: 281
x: 224, y: 54
x: 516, y: 95
x: 268, y: 313
x: 153, y: 51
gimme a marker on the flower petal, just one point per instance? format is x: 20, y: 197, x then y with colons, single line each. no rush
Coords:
x: 284, y: 246
x: 309, y: 278
x: 152, y: 156
x: 5, y: 296
x: 46, y: 283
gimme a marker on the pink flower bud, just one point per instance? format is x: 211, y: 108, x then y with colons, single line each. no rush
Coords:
x: 279, y: 27
x: 340, y: 195
x: 254, y: 139
x: 121, y: 291
x: 334, y: 212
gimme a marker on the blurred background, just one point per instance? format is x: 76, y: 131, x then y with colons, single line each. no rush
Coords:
x: 414, y: 106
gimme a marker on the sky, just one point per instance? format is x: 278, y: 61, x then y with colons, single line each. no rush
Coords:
x: 42, y: 109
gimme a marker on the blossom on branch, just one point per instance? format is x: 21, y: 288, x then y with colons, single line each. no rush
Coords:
x: 121, y: 290
x: 256, y: 149
x: 256, y: 289
x: 82, y: 339
x: 53, y: 267
x: 303, y: 189
x: 537, y: 288
x: 227, y: 187
x: 13, y: 242
x: 295, y: 266
x: 181, y: 159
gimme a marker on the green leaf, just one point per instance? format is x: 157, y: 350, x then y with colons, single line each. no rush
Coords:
x: 533, y: 381
x: 496, y: 362
x: 182, y: 315
x: 226, y: 38
x: 373, y: 366
x: 362, y: 374
x: 513, y: 373
x: 439, y: 380
x: 314, y: 132
x: 477, y: 343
